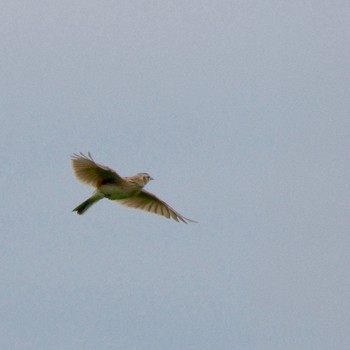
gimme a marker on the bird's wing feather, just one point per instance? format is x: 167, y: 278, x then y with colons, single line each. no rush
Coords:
x: 149, y: 202
x: 88, y: 171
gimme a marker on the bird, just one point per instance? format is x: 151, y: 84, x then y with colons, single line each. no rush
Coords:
x: 127, y: 191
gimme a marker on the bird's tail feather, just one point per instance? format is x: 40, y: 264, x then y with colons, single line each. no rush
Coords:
x: 83, y: 207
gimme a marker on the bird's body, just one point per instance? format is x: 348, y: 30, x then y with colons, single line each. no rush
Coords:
x: 122, y: 190
x: 114, y: 192
x: 126, y: 190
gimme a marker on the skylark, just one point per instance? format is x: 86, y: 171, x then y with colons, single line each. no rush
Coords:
x: 125, y: 190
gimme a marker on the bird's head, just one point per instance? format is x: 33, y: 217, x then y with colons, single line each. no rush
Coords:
x: 143, y: 178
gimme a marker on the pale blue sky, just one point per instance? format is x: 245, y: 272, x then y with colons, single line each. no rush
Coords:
x: 240, y: 111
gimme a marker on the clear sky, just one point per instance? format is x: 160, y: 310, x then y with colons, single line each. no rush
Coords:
x: 240, y: 110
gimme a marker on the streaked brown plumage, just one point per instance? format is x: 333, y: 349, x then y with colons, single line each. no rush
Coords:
x: 126, y: 190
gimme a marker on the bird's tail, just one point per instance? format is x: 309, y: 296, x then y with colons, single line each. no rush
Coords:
x: 83, y: 207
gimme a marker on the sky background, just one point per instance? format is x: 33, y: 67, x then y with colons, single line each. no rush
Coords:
x: 240, y: 110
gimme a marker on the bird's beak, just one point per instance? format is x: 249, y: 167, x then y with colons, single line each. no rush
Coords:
x: 151, y: 178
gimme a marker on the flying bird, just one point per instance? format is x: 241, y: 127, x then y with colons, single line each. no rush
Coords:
x: 124, y: 190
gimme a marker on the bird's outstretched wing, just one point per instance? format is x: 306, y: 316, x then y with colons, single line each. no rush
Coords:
x: 149, y: 202
x: 88, y: 171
